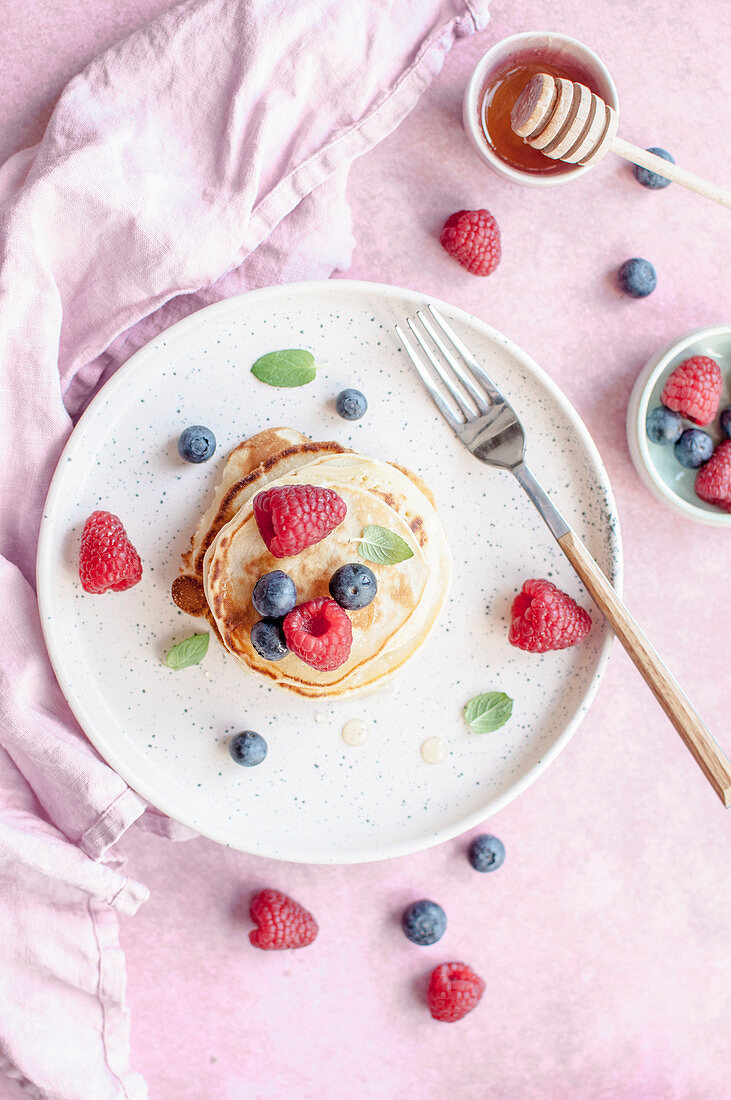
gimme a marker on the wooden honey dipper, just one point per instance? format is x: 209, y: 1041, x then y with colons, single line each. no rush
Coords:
x: 568, y: 122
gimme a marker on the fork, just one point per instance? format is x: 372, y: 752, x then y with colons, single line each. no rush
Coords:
x: 488, y: 426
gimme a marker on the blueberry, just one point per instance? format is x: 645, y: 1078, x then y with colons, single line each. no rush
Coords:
x: 353, y: 586
x: 693, y: 448
x: 637, y: 278
x: 267, y: 638
x: 247, y: 748
x: 351, y: 404
x: 274, y: 595
x: 651, y: 179
x: 486, y: 853
x: 726, y: 422
x: 663, y: 425
x: 424, y: 922
x: 196, y: 444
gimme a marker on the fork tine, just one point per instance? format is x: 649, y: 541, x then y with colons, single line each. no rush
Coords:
x: 453, y: 390
x: 492, y: 390
x: 477, y: 395
x: 435, y: 393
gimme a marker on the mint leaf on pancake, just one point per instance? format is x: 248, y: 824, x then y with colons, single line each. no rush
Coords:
x: 382, y: 546
x: 190, y: 651
x: 488, y: 712
x: 286, y: 369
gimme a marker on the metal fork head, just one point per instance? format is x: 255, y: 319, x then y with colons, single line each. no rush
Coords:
x: 462, y: 390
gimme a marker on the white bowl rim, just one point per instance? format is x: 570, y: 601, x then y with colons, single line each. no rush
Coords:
x: 637, y: 435
x: 474, y: 85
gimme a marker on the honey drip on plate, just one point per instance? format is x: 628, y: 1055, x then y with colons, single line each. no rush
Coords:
x: 355, y: 732
x: 433, y: 750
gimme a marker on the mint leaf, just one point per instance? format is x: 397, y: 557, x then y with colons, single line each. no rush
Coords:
x: 289, y: 368
x: 190, y: 651
x: 488, y: 712
x: 382, y: 546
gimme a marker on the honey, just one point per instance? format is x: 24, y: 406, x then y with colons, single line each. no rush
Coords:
x: 355, y: 732
x: 502, y: 88
x: 434, y: 750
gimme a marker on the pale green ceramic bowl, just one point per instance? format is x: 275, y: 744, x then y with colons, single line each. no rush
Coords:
x: 656, y: 464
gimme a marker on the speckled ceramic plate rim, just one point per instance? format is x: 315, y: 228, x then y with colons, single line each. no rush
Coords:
x: 143, y: 784
x: 637, y: 414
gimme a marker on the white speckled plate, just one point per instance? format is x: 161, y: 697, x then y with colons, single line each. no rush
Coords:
x: 316, y: 799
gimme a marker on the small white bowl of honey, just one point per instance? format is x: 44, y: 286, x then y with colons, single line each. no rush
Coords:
x: 497, y: 81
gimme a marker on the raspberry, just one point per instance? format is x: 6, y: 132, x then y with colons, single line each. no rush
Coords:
x: 454, y: 990
x: 473, y: 238
x: 694, y: 389
x: 281, y: 922
x: 713, y: 480
x: 107, y: 559
x: 546, y: 618
x: 319, y: 633
x: 291, y: 517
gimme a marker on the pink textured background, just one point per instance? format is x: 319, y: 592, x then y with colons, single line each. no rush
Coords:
x: 605, y: 937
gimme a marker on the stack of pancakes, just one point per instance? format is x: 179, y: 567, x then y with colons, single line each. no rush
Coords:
x: 227, y: 556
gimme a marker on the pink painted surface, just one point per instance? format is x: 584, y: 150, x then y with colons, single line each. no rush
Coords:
x: 604, y: 939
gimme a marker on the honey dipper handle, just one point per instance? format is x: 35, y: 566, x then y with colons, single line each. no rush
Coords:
x: 704, y: 749
x: 670, y: 171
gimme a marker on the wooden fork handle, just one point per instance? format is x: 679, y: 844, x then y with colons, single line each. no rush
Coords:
x: 706, y: 751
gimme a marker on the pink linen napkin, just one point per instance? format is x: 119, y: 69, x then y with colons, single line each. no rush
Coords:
x: 205, y: 155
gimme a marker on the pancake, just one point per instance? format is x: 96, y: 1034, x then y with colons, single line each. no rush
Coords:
x: 410, y: 594
x: 250, y: 467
